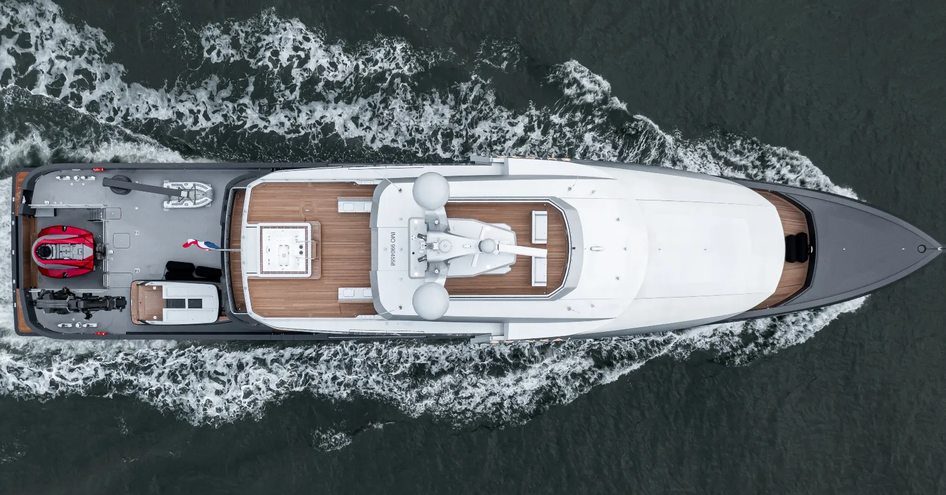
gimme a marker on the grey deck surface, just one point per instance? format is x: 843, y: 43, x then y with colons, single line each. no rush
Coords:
x: 138, y: 234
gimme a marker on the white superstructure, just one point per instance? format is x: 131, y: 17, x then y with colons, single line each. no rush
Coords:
x: 611, y: 248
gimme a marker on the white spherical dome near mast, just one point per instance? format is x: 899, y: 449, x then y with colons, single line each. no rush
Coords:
x: 431, y: 301
x: 431, y: 191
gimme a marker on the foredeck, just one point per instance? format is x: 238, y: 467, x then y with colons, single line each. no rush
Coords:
x: 794, y: 275
x: 346, y: 249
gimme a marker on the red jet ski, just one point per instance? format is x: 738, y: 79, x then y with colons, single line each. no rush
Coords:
x: 62, y: 251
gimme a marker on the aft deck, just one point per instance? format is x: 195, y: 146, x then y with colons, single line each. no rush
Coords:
x: 345, y: 250
x: 135, y: 237
x: 794, y: 275
x: 345, y: 246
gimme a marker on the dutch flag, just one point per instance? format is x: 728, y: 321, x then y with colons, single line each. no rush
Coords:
x: 205, y: 245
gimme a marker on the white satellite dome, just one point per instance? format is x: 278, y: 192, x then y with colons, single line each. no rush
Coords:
x: 431, y: 301
x: 431, y: 191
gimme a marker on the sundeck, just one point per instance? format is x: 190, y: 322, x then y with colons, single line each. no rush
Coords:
x: 492, y: 250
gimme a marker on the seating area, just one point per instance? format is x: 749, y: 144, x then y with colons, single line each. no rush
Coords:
x: 797, y: 248
x: 540, y: 235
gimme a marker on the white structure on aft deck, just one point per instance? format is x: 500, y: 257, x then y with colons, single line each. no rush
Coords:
x: 648, y: 249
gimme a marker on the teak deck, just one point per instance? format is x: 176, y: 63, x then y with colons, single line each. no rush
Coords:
x: 518, y: 280
x: 21, y: 325
x: 147, y: 303
x: 30, y: 272
x: 236, y: 274
x: 794, y: 275
x: 346, y: 249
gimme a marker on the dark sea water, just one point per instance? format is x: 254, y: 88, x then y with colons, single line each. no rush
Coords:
x: 846, y: 96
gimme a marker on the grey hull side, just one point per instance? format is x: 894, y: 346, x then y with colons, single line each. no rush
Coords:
x: 857, y: 249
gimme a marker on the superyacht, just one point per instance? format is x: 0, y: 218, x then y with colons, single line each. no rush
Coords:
x: 497, y: 249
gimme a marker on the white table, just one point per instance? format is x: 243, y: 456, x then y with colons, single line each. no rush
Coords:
x: 285, y: 250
